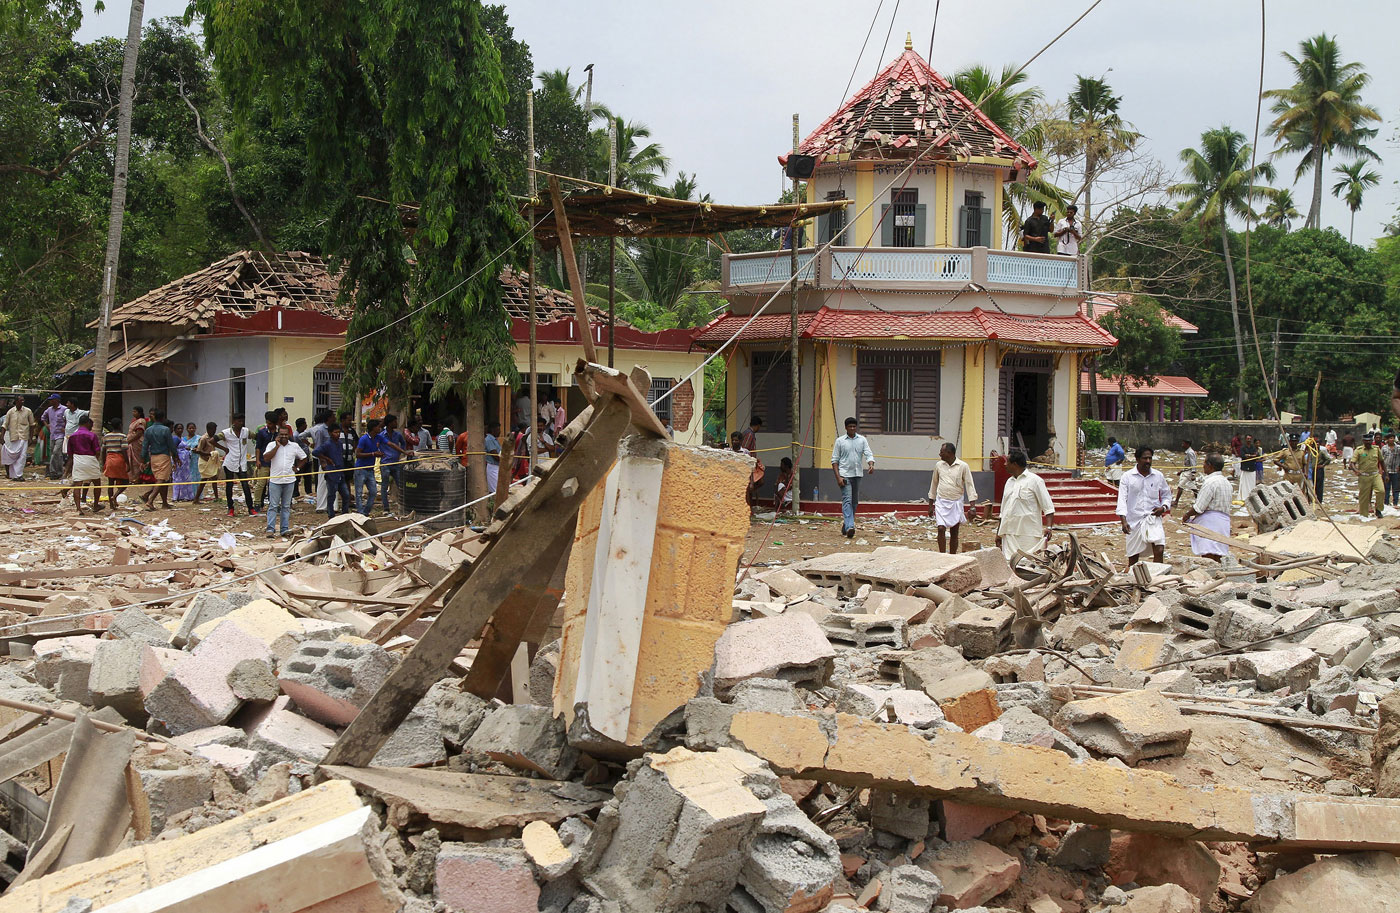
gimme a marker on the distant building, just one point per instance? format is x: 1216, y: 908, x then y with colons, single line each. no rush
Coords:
x: 1162, y: 399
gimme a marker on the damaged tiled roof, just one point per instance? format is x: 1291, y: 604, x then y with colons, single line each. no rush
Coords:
x: 1102, y: 305
x: 907, y: 108
x: 551, y: 304
x: 242, y: 283
x: 825, y: 323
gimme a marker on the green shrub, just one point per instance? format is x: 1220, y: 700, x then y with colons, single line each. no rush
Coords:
x: 1093, y: 432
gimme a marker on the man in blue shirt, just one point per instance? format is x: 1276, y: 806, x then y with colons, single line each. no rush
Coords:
x: 392, y: 450
x: 493, y: 456
x: 366, y: 452
x: 332, y: 459
x: 851, y: 459
x: 1113, y: 461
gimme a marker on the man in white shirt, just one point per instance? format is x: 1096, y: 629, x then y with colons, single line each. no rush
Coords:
x: 1068, y: 233
x: 851, y: 459
x: 950, y: 488
x: 1144, y: 498
x: 233, y: 441
x: 284, y: 458
x: 1331, y: 437
x: 1027, y: 512
x: 1212, y: 509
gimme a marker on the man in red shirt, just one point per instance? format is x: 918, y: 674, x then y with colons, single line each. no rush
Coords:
x: 461, y: 448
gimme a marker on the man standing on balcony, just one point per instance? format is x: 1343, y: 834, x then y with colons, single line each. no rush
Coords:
x: 851, y: 459
x: 1069, y: 233
x: 1035, y: 234
x: 949, y: 491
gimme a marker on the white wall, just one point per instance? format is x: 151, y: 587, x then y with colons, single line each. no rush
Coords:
x: 214, y: 358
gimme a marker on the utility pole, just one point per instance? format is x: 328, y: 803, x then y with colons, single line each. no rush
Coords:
x: 121, y: 160
x: 1273, y: 387
x: 530, y: 183
x: 793, y: 350
x: 612, y: 243
x: 588, y: 113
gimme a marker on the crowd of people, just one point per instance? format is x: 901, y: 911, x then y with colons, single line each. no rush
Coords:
x: 332, y: 460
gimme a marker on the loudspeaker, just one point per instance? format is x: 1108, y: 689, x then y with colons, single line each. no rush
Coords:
x: 800, y: 167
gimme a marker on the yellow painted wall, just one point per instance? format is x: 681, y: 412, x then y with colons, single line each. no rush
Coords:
x: 974, y: 373
x: 291, y: 363
x: 998, y: 229
x: 942, y: 208
x: 824, y: 416
x: 865, y: 196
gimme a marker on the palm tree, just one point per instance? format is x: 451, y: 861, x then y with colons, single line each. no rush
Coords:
x: 1322, y: 113
x: 1352, y: 187
x: 1281, y: 210
x: 1222, y: 183
x: 638, y: 167
x: 1011, y: 105
x: 1098, y: 130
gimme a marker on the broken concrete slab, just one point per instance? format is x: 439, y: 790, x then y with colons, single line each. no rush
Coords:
x: 792, y: 862
x: 1134, y: 726
x: 527, y: 738
x: 1295, y: 668
x: 1336, y: 641
x: 286, y: 736
x: 468, y: 806
x: 866, y: 630
x: 913, y: 609
x: 1166, y: 898
x: 790, y: 647
x: 942, y: 673
x: 1142, y: 650
x: 972, y: 872
x: 788, y: 583
x: 1360, y: 881
x: 892, y: 568
x: 982, y: 632
x: 134, y: 624
x: 262, y: 618
x: 64, y: 665
x: 195, y: 694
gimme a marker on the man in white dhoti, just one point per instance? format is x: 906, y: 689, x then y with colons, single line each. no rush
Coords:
x: 20, y: 431
x: 1212, y: 509
x: 949, y: 489
x: 1144, y: 498
x: 1027, y: 513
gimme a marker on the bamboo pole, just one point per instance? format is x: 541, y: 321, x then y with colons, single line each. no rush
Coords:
x: 566, y: 248
x: 534, y: 349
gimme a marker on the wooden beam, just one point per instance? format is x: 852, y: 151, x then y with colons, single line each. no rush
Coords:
x: 535, y: 525
x: 106, y: 570
x: 566, y: 244
x: 429, y: 600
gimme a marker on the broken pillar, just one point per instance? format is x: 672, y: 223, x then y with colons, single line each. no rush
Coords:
x: 1134, y: 726
x: 654, y: 621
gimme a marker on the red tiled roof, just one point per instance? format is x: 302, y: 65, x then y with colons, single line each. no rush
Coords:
x: 908, y: 106
x: 825, y: 323
x: 1165, y: 385
x: 1106, y: 304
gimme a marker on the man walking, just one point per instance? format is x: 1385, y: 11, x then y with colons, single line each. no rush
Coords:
x: 233, y: 441
x: 1026, y: 510
x: 1144, y: 498
x: 1249, y: 466
x: 1113, y: 461
x: 1212, y: 509
x: 1367, y: 469
x: 366, y: 452
x: 20, y: 431
x: 320, y: 433
x: 158, y: 450
x: 56, y: 424
x: 949, y: 491
x: 851, y: 460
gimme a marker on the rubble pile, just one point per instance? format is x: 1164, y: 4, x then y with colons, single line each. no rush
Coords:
x: 898, y: 730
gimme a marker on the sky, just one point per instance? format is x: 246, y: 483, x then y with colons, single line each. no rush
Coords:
x: 718, y: 82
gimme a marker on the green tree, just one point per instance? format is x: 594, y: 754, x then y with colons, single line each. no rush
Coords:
x: 639, y: 167
x: 1147, y: 345
x: 1096, y: 130
x: 1281, y: 210
x: 1322, y: 113
x: 401, y: 103
x: 1221, y: 182
x: 1356, y: 179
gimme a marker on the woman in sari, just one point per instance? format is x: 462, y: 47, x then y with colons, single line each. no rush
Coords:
x: 183, y: 490
x: 135, y: 434
x: 192, y: 445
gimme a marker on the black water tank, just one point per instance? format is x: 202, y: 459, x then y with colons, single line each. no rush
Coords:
x: 429, y: 490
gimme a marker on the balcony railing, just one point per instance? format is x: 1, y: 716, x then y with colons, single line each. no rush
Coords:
x: 907, y: 269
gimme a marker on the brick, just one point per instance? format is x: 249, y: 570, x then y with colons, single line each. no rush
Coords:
x: 791, y: 647
x: 526, y: 738
x: 195, y: 693
x: 115, y: 678
x: 1135, y: 726
x: 481, y: 879
x: 287, y: 736
x: 866, y: 630
x: 330, y: 682
x: 982, y: 632
x: 1271, y: 670
x: 971, y: 872
x: 1147, y: 859
x: 64, y: 665
x: 972, y: 710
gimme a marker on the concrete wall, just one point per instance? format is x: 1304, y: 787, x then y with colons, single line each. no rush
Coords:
x: 214, y: 360
x: 291, y: 377
x: 1169, y: 435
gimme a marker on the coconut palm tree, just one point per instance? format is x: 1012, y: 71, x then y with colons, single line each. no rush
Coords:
x: 1322, y: 113
x: 1097, y: 129
x: 1352, y: 187
x: 1281, y: 210
x: 1221, y: 184
x: 1011, y: 104
x: 639, y: 167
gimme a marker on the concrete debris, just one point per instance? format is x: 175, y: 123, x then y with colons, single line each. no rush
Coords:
x: 484, y: 879
x: 1271, y: 670
x: 1276, y: 506
x: 982, y: 632
x: 971, y: 872
x: 790, y: 647
x: 330, y: 682
x: 526, y: 738
x: 1359, y: 881
x: 1167, y: 898
x: 1136, y: 726
x: 866, y: 630
x: 892, y: 568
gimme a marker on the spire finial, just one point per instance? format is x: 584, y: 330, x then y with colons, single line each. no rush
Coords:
x: 908, y: 41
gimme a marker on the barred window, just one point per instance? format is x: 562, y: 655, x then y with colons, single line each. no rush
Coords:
x: 897, y: 392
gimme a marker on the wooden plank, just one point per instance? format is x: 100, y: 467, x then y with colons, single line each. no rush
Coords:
x: 428, y: 601
x: 534, y: 525
x: 106, y: 570
x: 566, y: 250
x: 608, y: 380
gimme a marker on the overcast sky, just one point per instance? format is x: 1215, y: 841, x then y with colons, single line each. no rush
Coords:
x: 718, y: 82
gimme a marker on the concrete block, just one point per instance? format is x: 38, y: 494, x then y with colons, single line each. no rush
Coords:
x: 459, y: 712
x: 1335, y: 642
x: 169, y: 792
x: 1034, y: 696
x: 1016, y: 667
x: 908, y: 889
x: 1142, y: 650
x: 906, y: 816
x: 1243, y: 623
x: 1276, y: 506
x: 1134, y: 726
x: 253, y: 680
x: 792, y: 862
x: 866, y: 630
x: 771, y: 695
x: 790, y: 646
x: 134, y: 624
x: 115, y: 678
x: 982, y: 632
x: 156, y: 664
x: 912, y: 708
x: 195, y: 693
x: 330, y: 682
x: 417, y: 741
x: 484, y: 879
x: 1385, y: 662
x: 287, y: 736
x: 205, y: 607
x: 788, y: 583
x: 1153, y: 616
x: 913, y: 609
x: 971, y: 872
x: 1289, y: 622
x: 1021, y: 726
x: 1196, y: 617
x: 242, y: 765
x: 64, y: 665
x: 309, y: 629
x: 942, y: 673
x: 1294, y: 669
x: 526, y: 738
x: 1177, y: 681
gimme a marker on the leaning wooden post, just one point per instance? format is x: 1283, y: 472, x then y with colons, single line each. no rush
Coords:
x: 566, y: 247
x: 503, y: 472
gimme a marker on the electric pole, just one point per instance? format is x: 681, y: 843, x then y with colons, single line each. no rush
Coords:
x: 793, y: 349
